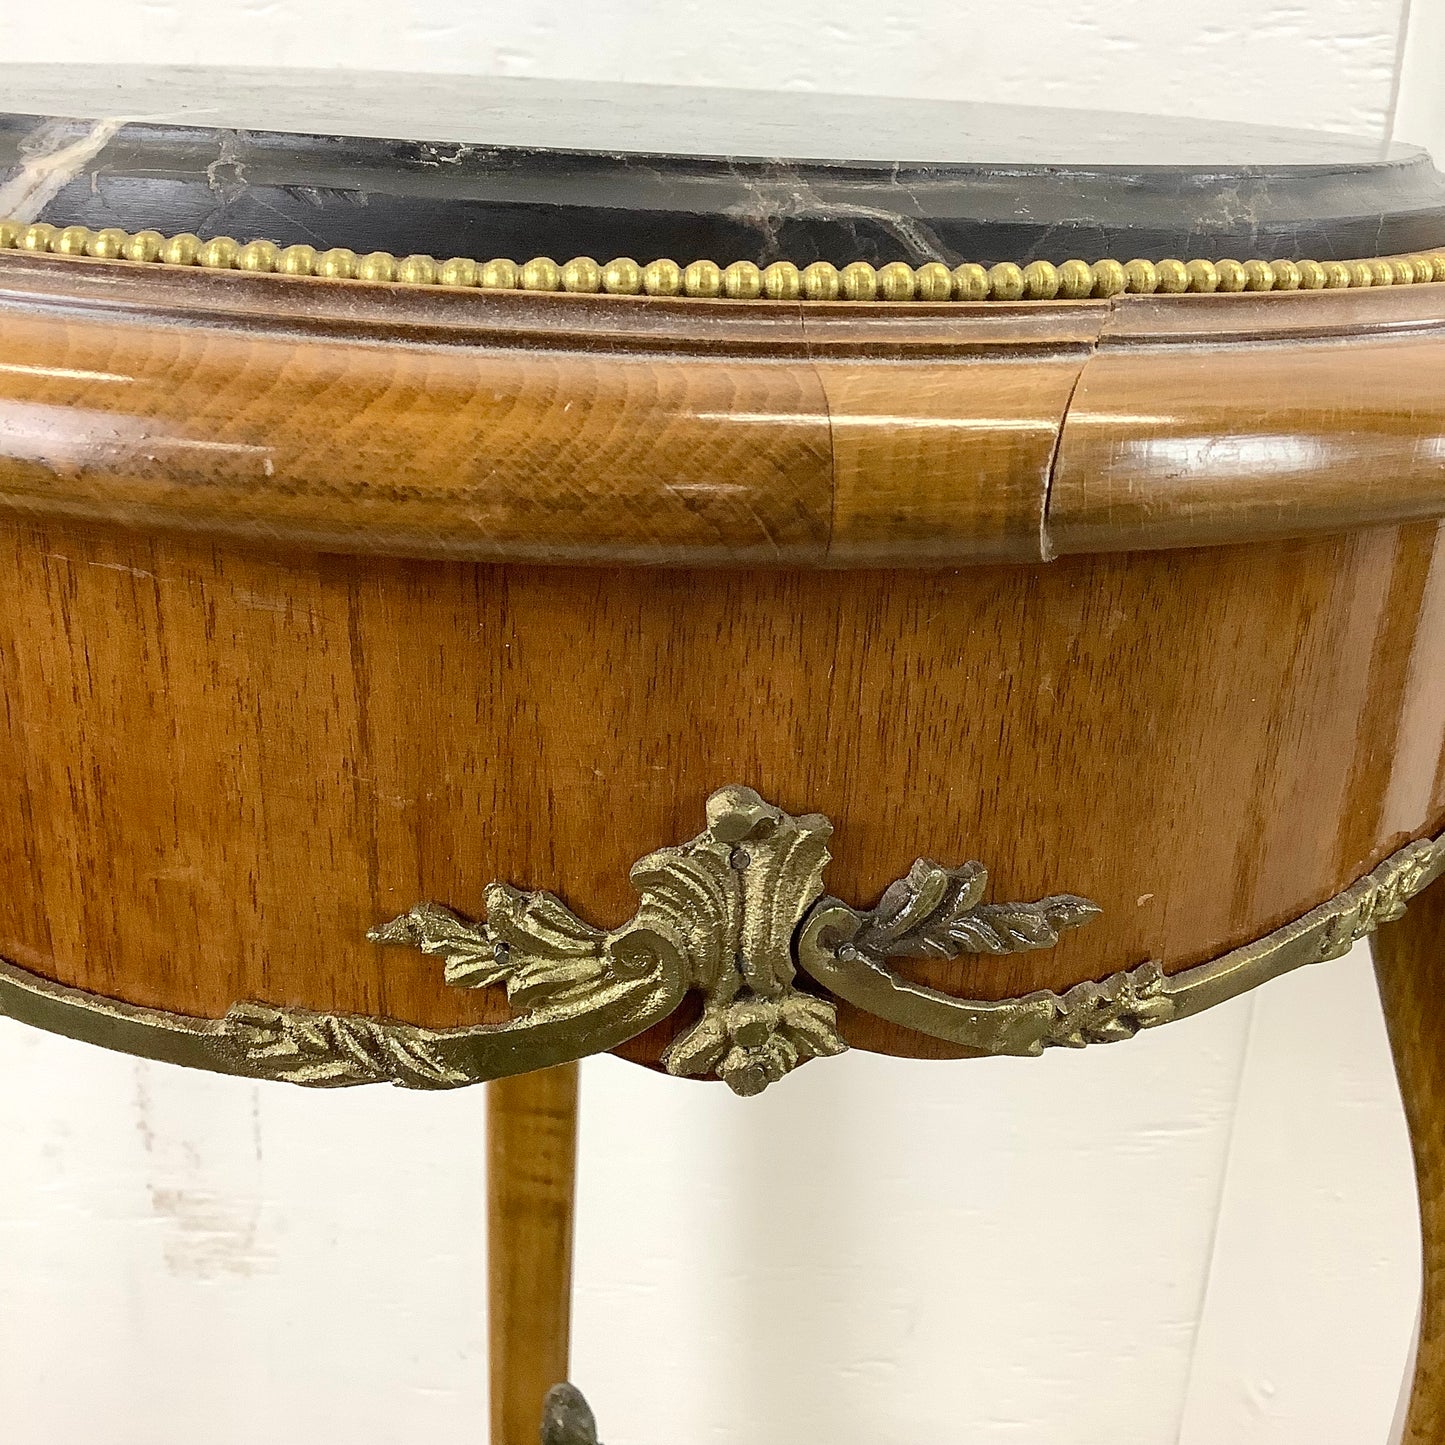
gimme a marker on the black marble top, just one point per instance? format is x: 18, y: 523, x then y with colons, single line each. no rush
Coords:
x: 482, y: 167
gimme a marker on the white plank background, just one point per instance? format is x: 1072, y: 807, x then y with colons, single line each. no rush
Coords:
x: 1207, y: 1237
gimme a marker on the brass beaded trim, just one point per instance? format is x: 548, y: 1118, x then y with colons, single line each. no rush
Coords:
x: 742, y: 280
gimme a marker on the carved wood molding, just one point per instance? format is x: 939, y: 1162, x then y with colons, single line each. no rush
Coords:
x: 709, y: 432
x: 737, y: 914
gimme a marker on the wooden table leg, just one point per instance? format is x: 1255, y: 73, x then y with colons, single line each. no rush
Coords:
x: 531, y: 1165
x: 1410, y: 966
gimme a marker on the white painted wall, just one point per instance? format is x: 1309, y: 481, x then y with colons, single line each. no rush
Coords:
x: 1204, y: 1238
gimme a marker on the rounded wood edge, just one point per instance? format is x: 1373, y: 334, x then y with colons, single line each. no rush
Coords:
x: 435, y: 422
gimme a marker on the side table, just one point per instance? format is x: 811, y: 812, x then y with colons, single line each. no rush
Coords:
x: 500, y: 571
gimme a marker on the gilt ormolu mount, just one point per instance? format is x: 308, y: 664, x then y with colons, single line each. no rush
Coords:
x: 733, y: 914
x: 737, y: 914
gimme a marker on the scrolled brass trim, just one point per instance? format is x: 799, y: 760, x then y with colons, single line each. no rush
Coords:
x: 329, y: 1050
x: 737, y: 914
x: 736, y: 281
x: 839, y: 948
x: 718, y: 913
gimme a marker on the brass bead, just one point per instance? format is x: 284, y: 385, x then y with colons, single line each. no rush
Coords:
x: 1109, y: 279
x: 702, y: 278
x: 458, y: 271
x: 1041, y: 281
x: 622, y: 277
x: 1006, y: 282
x: 970, y: 282
x: 145, y: 246
x: 37, y: 237
x: 417, y: 271
x: 1173, y: 277
x: 337, y: 264
x: 1404, y: 270
x: 297, y: 261
x: 9, y: 234
x: 742, y: 281
x: 662, y: 278
x: 181, y: 250
x: 1232, y: 275
x: 1203, y: 276
x: 108, y: 244
x: 541, y: 273
x: 1383, y: 273
x: 1338, y: 275
x: 499, y: 275
x: 218, y: 254
x: 933, y: 281
x: 1258, y: 276
x: 782, y: 281
x: 1361, y: 273
x: 1141, y: 277
x: 1287, y: 276
x: 72, y: 241
x: 376, y: 266
x: 582, y: 274
x: 857, y: 281
x: 1076, y: 280
x: 820, y: 281
x: 1311, y: 275
x: 896, y: 281
x: 1438, y: 263
x: 258, y: 256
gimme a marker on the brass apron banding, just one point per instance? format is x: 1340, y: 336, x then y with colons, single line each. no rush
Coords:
x: 736, y: 914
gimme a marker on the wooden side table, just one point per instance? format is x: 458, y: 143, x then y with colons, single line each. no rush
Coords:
x: 430, y: 659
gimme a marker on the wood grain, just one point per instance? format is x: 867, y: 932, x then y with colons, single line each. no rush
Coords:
x: 944, y: 425
x: 426, y: 422
x: 220, y: 766
x: 531, y: 1190
x: 1203, y: 423
x: 1408, y: 958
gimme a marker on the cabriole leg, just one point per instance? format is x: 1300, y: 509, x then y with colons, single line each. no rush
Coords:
x: 1410, y: 966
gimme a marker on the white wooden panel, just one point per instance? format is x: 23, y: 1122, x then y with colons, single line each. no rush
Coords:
x: 875, y: 1250
x: 1316, y: 1276
x: 1327, y: 63
x: 1420, y: 107
x: 885, y: 1251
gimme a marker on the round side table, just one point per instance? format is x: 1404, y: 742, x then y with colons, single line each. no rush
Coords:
x: 500, y: 571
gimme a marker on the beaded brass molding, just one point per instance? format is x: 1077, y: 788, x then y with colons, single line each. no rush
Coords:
x: 739, y: 281
x: 737, y: 914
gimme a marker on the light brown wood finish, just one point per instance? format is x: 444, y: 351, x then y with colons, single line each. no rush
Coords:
x: 425, y: 422
x: 1202, y: 423
x: 225, y: 754
x: 943, y: 431
x: 531, y: 1186
x: 221, y: 766
x: 539, y: 428
x: 1409, y: 963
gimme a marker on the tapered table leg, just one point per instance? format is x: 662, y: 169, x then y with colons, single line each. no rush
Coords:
x: 1410, y: 966
x: 531, y: 1162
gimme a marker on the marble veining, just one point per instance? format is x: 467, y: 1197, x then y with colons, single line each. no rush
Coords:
x: 49, y: 159
x: 519, y: 167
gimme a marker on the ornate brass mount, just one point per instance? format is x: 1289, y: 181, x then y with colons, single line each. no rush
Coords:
x: 732, y: 914
x: 738, y: 915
